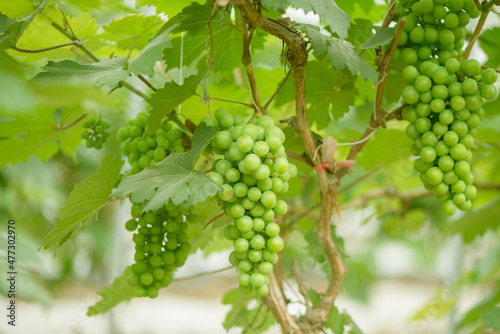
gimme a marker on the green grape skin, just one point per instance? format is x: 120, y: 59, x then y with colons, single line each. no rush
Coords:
x: 423, y: 83
x: 417, y: 35
x: 410, y: 73
x: 462, y: 168
x: 441, y: 149
x: 427, y: 154
x: 489, y: 76
x: 449, y: 207
x: 488, y: 92
x: 275, y: 244
x: 434, y: 175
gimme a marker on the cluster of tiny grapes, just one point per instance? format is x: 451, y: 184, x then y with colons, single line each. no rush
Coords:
x: 161, y: 246
x: 143, y: 149
x: 445, y: 97
x: 253, y: 171
x: 96, y: 132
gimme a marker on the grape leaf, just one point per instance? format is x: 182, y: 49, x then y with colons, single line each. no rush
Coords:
x: 37, y: 133
x: 15, y: 29
x: 227, y: 40
x: 348, y: 6
x: 16, y: 8
x: 107, y: 72
x: 41, y: 34
x: 85, y: 201
x: 330, y: 93
x: 144, y: 62
x: 341, y: 322
x: 477, y: 311
x: 169, y: 97
x: 328, y: 10
x: 484, y: 218
x: 381, y: 37
x: 385, y: 147
x: 340, y: 53
x: 169, y: 7
x: 172, y: 179
x: 117, y: 292
x: 489, y: 42
x: 132, y: 30
x: 492, y: 318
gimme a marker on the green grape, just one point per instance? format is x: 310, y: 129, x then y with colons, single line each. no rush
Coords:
x: 489, y: 76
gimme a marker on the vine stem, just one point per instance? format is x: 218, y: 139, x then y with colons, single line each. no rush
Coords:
x: 494, y: 69
x: 246, y: 60
x: 14, y: 47
x: 72, y: 123
x: 276, y: 92
x: 202, y: 274
x: 378, y: 112
x: 475, y: 34
x: 131, y: 88
x: 224, y: 100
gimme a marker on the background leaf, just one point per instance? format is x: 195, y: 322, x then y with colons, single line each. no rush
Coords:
x: 85, y: 201
x: 381, y: 37
x: 385, y: 147
x: 107, y: 72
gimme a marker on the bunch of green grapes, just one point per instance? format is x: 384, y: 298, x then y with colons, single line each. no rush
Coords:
x: 444, y: 111
x: 161, y: 246
x: 143, y: 149
x: 253, y: 171
x: 96, y: 132
x: 433, y: 28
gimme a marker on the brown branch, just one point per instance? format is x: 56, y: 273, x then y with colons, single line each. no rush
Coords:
x: 276, y: 92
x: 378, y: 112
x: 300, y: 284
x: 131, y: 88
x: 494, y: 69
x: 72, y: 123
x: 246, y: 60
x: 299, y: 157
x: 143, y: 79
x: 475, y: 34
x: 214, y: 219
x: 358, y: 180
x: 479, y: 5
x: 387, y: 17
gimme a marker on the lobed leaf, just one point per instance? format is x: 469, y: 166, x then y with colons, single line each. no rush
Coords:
x: 117, y: 292
x: 169, y: 97
x: 108, y: 72
x: 381, y: 37
x: 172, y: 179
x: 85, y: 201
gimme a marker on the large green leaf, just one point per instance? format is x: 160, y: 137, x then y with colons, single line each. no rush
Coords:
x: 132, y: 30
x: 492, y: 318
x: 172, y: 179
x: 85, y: 201
x: 227, y: 40
x: 41, y: 33
x: 340, y: 53
x: 169, y: 97
x: 329, y: 11
x: 381, y: 37
x: 16, y: 8
x: 119, y: 291
x: 144, y: 62
x: 490, y: 43
x: 12, y: 30
x: 37, y: 133
x: 329, y: 92
x: 487, y: 303
x: 385, y: 147
x: 103, y: 73
x: 169, y: 7
x: 476, y: 222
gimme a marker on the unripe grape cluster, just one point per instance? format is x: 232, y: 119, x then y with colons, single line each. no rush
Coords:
x: 433, y: 28
x: 161, y: 246
x: 445, y: 96
x: 143, y: 149
x: 96, y: 132
x: 253, y: 171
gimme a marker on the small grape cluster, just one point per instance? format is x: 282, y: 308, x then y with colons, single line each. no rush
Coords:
x: 143, y: 149
x: 444, y: 112
x: 253, y: 171
x: 96, y: 132
x: 433, y: 28
x: 161, y: 246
